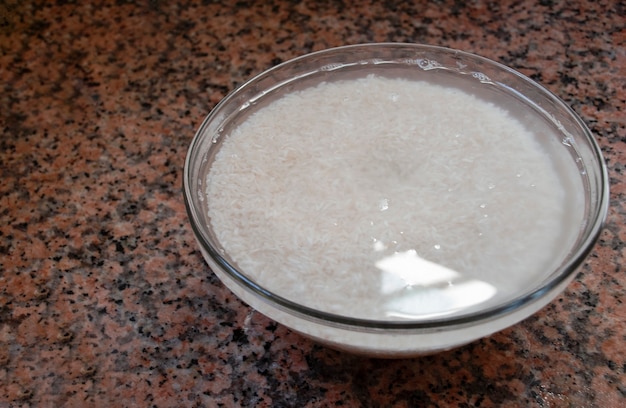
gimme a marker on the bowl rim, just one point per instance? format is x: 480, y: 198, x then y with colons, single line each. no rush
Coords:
x: 593, y: 228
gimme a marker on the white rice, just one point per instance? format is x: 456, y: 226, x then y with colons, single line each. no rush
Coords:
x: 386, y: 198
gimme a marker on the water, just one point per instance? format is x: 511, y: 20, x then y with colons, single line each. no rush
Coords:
x: 385, y: 199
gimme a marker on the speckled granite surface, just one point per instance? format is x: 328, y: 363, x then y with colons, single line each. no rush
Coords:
x: 105, y: 299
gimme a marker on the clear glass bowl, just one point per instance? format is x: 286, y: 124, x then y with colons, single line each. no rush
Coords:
x: 570, y: 143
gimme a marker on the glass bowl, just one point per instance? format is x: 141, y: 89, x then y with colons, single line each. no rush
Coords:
x: 394, y: 200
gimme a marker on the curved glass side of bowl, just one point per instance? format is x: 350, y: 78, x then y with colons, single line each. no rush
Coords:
x: 487, y: 79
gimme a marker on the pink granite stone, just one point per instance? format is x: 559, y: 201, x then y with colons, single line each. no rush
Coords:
x: 104, y: 298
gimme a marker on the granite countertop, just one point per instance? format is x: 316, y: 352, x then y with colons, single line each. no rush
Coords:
x: 105, y: 299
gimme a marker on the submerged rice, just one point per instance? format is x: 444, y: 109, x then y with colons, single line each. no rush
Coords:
x: 386, y: 198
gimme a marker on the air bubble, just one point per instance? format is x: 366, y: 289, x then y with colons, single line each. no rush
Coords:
x: 331, y: 67
x: 481, y: 77
x: 427, y: 64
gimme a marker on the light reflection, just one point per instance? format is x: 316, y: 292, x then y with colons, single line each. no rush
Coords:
x: 418, y: 288
x: 379, y: 245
